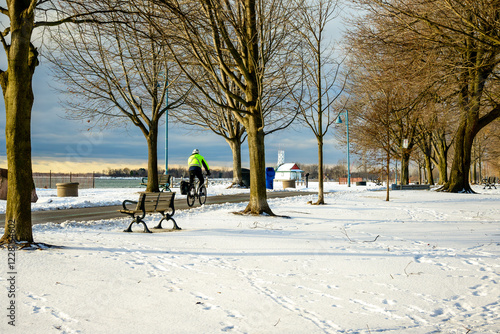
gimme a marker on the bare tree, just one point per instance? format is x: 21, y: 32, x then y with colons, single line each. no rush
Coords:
x: 227, y: 39
x: 387, y: 101
x: 492, y: 150
x: 435, y: 128
x: 201, y: 112
x: 464, y: 39
x: 277, y: 106
x: 373, y: 111
x: 486, y: 153
x: 119, y: 75
x: 16, y: 81
x: 320, y: 87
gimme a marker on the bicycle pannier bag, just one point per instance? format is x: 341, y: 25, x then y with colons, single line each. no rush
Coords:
x: 184, y: 187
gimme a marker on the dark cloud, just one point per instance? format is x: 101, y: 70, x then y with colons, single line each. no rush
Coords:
x: 54, y: 136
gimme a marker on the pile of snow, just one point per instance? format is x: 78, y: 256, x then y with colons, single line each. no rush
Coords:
x: 425, y: 262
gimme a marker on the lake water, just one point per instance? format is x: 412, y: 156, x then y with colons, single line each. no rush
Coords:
x: 102, y: 182
x: 84, y: 182
x: 118, y: 183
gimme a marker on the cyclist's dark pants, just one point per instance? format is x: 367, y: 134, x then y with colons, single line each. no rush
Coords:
x: 196, y: 171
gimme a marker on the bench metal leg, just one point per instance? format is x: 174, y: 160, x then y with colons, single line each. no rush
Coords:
x: 129, y: 228
x: 137, y: 221
x: 176, y: 227
x: 158, y: 227
x: 146, y: 229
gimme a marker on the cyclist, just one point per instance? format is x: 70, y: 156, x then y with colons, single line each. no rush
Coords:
x: 195, y: 162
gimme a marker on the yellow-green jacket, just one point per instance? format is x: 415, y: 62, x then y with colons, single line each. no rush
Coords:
x: 196, y: 160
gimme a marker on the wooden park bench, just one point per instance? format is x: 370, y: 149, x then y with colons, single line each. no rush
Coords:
x: 489, y: 182
x: 163, y: 182
x: 160, y: 202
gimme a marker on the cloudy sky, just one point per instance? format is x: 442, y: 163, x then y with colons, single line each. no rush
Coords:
x: 64, y: 145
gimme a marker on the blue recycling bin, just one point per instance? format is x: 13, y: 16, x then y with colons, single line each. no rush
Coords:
x: 270, y: 173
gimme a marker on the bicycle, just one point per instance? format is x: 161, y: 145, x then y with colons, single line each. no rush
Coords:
x: 197, y: 192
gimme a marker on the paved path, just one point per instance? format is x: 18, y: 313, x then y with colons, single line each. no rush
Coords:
x: 110, y: 212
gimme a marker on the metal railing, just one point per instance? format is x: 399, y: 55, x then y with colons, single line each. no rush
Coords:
x: 49, y: 180
x: 89, y: 180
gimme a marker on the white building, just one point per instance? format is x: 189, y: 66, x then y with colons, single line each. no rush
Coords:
x: 289, y: 171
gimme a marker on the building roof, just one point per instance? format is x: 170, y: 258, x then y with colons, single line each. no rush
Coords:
x: 289, y: 167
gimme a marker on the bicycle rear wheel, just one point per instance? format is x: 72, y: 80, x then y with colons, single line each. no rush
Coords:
x: 191, y: 195
x: 202, y: 194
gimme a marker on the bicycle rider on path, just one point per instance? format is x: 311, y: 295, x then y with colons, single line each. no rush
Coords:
x: 195, y: 162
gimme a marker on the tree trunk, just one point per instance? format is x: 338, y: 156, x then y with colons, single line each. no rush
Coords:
x: 442, y: 163
x: 405, y: 165
x: 152, y: 140
x: 428, y: 170
x: 19, y: 101
x: 427, y: 151
x: 388, y: 166
x: 321, y: 173
x: 254, y: 123
x: 18, y: 95
x: 258, y: 195
x: 474, y: 172
x: 236, y: 150
x: 459, y: 175
x: 419, y: 173
x: 480, y: 165
x: 319, y: 133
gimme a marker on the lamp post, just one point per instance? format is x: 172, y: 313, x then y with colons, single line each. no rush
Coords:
x: 404, y: 147
x: 339, y: 121
x: 396, y: 173
x: 166, y: 118
x: 166, y: 127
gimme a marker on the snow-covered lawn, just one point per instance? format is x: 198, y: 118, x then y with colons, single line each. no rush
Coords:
x: 48, y: 200
x: 425, y: 262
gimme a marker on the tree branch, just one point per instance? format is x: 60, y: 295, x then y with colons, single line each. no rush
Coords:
x: 489, y: 117
x: 31, y: 9
x: 4, y: 11
x: 85, y: 18
x: 4, y: 42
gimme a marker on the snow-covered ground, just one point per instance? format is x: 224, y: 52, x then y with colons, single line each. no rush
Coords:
x: 425, y: 262
x: 48, y: 200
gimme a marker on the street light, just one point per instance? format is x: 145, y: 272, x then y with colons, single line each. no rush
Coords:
x: 166, y: 127
x: 404, y: 147
x: 339, y: 121
x: 166, y: 118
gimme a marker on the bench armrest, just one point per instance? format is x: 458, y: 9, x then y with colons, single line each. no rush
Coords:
x: 144, y: 180
x: 125, y: 202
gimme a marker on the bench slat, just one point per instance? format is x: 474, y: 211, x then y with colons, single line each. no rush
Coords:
x: 162, y: 207
x: 157, y: 201
x: 165, y: 200
x: 162, y: 180
x: 130, y: 211
x: 150, y: 206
